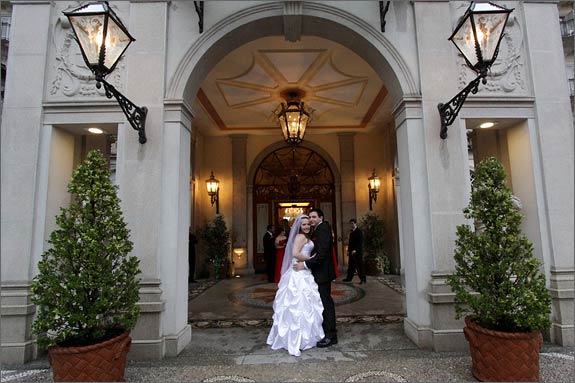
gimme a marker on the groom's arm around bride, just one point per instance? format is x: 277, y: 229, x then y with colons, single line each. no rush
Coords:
x: 323, y: 270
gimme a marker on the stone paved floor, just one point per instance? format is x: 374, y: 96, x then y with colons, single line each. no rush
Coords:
x: 375, y: 352
x: 372, y: 346
x: 247, y: 302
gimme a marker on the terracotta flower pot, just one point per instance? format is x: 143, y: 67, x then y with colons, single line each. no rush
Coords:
x: 502, y: 356
x: 102, y: 362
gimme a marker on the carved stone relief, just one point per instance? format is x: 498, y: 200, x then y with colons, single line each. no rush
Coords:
x: 507, y: 75
x: 70, y: 77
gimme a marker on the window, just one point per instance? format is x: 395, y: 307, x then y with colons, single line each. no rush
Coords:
x: 5, y: 29
x: 567, y: 26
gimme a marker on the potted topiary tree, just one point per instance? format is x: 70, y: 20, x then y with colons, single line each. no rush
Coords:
x: 497, y: 281
x: 86, y: 289
x: 373, y: 228
x: 215, y: 238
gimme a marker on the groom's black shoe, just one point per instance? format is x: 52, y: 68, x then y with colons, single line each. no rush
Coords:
x: 326, y: 342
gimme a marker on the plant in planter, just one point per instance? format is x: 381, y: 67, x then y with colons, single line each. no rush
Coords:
x: 215, y: 237
x: 86, y: 290
x: 497, y: 281
x: 373, y: 229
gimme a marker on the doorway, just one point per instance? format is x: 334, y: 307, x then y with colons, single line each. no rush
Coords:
x: 289, y: 181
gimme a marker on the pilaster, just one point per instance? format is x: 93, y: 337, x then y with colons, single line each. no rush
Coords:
x: 347, y: 169
x: 416, y: 219
x: 147, y: 340
x: 20, y: 146
x: 239, y: 200
x: 446, y: 331
x: 562, y: 287
x: 17, y: 317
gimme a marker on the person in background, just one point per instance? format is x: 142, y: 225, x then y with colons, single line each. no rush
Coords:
x: 355, y: 253
x: 280, y: 243
x: 270, y: 253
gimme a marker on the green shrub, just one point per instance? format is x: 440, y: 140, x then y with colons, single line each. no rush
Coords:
x: 86, y: 290
x: 496, y: 277
x: 215, y: 237
x: 373, y: 229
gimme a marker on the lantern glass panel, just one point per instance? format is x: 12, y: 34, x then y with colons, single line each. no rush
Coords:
x: 89, y: 30
x: 374, y: 183
x: 489, y: 27
x: 212, y: 187
x: 117, y: 42
x: 464, y: 40
x: 293, y: 122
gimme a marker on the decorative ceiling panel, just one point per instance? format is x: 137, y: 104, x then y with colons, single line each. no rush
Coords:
x: 243, y: 90
x: 256, y: 75
x: 238, y: 96
x: 292, y: 64
x: 346, y: 94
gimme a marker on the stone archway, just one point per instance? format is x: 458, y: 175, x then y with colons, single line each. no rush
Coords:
x: 267, y: 20
x: 335, y: 24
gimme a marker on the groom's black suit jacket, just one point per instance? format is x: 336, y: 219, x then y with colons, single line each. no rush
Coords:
x: 321, y: 265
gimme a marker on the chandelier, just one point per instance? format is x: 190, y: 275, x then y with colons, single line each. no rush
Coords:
x: 293, y: 116
x: 293, y: 211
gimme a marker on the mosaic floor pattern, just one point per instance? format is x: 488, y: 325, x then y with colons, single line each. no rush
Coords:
x: 263, y: 294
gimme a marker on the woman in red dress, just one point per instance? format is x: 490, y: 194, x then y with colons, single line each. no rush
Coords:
x: 280, y: 243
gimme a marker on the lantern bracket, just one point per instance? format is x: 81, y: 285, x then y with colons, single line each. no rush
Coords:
x: 199, y: 5
x: 136, y: 115
x: 382, y: 12
x: 449, y: 111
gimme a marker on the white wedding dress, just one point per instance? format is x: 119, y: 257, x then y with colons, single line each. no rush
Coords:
x: 297, y: 311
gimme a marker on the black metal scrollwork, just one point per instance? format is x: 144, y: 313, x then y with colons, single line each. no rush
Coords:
x: 382, y: 12
x: 449, y: 111
x: 135, y: 115
x: 199, y: 5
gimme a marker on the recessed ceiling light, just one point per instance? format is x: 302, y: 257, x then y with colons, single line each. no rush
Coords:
x: 95, y: 130
x: 486, y: 125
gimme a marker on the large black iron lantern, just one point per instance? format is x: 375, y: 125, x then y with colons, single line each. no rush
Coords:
x: 373, y: 187
x: 213, y: 188
x: 477, y: 37
x: 294, y: 117
x: 103, y: 39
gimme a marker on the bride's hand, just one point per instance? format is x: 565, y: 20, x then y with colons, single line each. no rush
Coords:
x: 299, y: 266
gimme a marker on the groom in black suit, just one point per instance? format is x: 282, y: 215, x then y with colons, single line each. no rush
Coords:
x: 323, y: 270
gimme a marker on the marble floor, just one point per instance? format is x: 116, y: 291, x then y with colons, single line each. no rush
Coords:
x: 246, y: 301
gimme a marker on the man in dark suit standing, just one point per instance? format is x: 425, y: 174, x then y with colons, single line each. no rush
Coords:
x: 355, y: 253
x: 323, y: 270
x: 270, y: 253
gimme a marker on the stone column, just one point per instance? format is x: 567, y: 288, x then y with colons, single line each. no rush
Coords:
x: 415, y: 220
x: 175, y: 221
x: 555, y: 135
x: 347, y: 169
x: 239, y: 198
x: 21, y: 131
x: 447, y: 172
x: 154, y: 188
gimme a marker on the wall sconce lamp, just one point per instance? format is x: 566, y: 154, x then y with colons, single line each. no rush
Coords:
x: 238, y: 252
x: 213, y: 186
x: 477, y: 37
x: 103, y: 39
x: 373, y: 186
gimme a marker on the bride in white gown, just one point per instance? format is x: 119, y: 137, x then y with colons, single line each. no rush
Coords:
x: 297, y: 305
